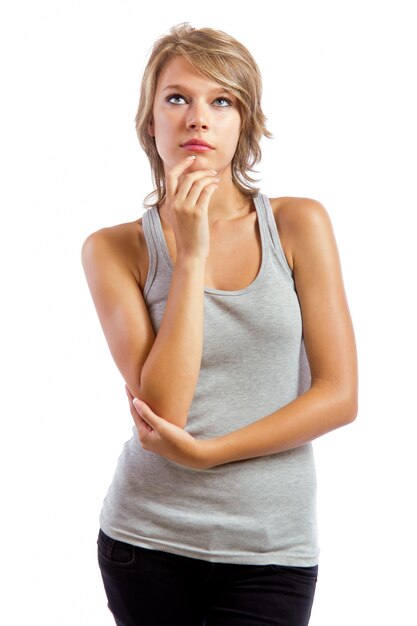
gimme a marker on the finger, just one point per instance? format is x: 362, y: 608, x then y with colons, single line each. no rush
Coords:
x: 147, y: 414
x: 201, y: 192
x: 140, y: 423
x: 174, y: 173
x: 132, y: 408
x: 142, y: 427
x: 137, y: 418
x: 193, y: 184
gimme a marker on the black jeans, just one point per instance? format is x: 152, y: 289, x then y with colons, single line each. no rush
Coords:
x: 154, y: 588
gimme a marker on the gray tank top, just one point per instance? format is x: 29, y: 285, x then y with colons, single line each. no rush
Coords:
x: 257, y: 511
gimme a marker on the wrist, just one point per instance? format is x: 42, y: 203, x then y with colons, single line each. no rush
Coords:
x: 208, y: 453
x: 189, y: 262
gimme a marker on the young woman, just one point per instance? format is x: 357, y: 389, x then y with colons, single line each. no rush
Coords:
x: 226, y: 315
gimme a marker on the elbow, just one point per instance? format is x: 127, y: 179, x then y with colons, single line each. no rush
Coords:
x: 182, y: 422
x: 164, y: 410
x: 162, y: 405
x: 351, y: 413
x: 348, y: 409
x: 341, y: 402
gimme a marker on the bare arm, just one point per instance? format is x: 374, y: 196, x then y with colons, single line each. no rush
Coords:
x: 331, y: 401
x: 162, y: 370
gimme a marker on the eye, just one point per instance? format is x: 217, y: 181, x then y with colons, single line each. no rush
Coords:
x: 175, y: 96
x: 227, y: 102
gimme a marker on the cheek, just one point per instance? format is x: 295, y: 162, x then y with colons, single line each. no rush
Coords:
x: 233, y: 135
x: 232, y: 130
x: 163, y: 128
x: 168, y: 119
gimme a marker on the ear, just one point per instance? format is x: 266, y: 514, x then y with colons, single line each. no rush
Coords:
x: 151, y: 127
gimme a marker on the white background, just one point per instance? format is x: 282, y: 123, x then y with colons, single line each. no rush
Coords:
x: 339, y: 93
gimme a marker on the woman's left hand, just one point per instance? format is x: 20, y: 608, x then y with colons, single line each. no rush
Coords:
x: 164, y: 438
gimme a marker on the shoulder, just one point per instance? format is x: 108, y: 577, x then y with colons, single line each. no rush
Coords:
x: 297, y: 213
x: 121, y: 244
x: 298, y: 220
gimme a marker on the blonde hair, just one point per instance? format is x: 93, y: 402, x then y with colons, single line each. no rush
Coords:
x: 224, y: 60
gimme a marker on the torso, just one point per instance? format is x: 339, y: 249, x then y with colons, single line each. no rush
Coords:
x: 226, y: 267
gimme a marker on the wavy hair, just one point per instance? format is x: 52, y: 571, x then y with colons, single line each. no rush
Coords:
x: 227, y: 62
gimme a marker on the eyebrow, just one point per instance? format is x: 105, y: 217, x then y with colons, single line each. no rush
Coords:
x: 184, y: 88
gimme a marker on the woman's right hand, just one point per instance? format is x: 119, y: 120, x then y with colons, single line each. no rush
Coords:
x: 187, y: 200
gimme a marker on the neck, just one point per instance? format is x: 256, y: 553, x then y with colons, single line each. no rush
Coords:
x: 226, y: 204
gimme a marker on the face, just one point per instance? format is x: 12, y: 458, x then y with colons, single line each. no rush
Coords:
x: 188, y: 106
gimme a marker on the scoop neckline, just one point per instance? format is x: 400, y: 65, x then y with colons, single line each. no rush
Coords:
x: 211, y: 290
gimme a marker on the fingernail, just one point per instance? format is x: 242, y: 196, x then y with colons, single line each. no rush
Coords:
x: 213, y: 171
x: 190, y: 158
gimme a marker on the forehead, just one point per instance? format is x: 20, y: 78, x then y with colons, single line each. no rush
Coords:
x: 178, y: 72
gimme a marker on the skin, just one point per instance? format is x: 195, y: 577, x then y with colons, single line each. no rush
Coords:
x: 308, y: 241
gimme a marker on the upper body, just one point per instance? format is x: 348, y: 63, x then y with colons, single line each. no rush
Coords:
x: 308, y: 242
x: 208, y: 219
x: 253, y: 363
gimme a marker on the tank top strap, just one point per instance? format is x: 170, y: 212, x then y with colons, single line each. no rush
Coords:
x: 269, y: 224
x: 160, y: 262
x: 152, y: 237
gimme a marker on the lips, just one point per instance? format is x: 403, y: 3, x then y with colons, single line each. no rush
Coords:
x: 197, y: 143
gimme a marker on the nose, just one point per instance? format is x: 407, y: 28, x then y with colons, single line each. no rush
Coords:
x: 197, y: 117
